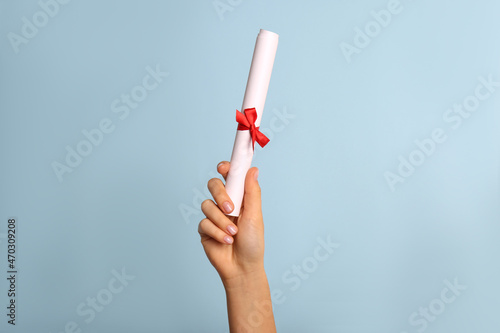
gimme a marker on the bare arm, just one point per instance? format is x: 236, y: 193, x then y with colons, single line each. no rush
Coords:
x: 249, y: 304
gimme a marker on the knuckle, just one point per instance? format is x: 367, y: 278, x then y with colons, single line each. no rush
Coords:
x: 212, y: 183
x: 202, y: 223
x: 205, y: 204
x: 257, y: 190
x: 202, y: 226
x: 251, y: 220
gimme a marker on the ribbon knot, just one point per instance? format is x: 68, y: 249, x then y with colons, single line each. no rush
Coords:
x: 246, y: 122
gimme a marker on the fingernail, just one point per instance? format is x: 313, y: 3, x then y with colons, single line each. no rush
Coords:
x: 228, y: 239
x: 231, y: 229
x: 228, y: 208
x: 218, y: 165
x: 256, y: 175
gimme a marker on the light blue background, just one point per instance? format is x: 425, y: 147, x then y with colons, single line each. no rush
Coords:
x: 322, y: 174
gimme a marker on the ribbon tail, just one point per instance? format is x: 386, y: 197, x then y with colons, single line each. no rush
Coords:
x: 262, y: 140
x: 254, y: 138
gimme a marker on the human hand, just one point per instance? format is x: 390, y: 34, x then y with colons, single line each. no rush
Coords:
x: 234, y: 245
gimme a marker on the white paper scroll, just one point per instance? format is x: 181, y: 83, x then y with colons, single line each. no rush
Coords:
x: 255, y: 97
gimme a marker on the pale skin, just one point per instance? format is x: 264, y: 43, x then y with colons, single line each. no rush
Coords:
x: 235, y: 247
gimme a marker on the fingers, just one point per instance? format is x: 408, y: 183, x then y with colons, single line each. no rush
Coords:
x: 223, y: 168
x: 218, y: 191
x: 252, y: 198
x: 209, y: 230
x: 222, y: 228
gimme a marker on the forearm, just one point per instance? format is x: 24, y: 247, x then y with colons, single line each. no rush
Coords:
x: 249, y: 304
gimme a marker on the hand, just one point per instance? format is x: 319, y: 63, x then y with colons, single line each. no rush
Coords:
x: 234, y: 245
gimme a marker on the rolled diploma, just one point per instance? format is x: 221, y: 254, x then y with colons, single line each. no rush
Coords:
x: 255, y: 97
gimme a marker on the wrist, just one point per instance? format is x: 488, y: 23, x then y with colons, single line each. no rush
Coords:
x: 246, y: 280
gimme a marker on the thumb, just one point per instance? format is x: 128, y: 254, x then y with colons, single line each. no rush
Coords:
x: 252, y: 199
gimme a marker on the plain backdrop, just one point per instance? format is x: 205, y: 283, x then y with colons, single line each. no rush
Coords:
x: 352, y: 92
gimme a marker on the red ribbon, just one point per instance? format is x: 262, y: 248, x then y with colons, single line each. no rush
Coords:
x: 246, y: 122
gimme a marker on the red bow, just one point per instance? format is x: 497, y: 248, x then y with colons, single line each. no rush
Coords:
x: 247, y: 122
